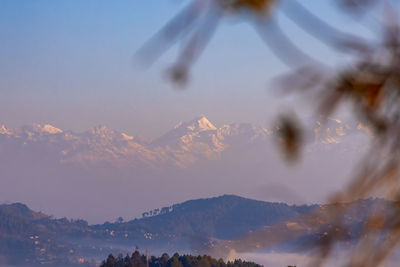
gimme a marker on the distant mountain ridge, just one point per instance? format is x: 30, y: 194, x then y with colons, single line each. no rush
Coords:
x: 182, y: 146
x: 43, y: 165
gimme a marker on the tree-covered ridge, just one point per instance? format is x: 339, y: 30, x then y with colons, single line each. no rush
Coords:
x: 28, y: 237
x: 44, y: 239
x: 32, y: 238
x: 140, y: 260
x: 225, y: 217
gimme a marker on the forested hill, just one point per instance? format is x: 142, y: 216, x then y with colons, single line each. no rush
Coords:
x: 224, y: 217
x: 28, y: 237
x: 31, y: 238
x: 41, y: 238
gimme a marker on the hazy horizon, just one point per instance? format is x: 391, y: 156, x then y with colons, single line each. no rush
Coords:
x: 283, y: 101
x: 69, y: 63
x: 102, y: 168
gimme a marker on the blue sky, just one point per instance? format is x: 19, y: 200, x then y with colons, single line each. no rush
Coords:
x: 69, y: 63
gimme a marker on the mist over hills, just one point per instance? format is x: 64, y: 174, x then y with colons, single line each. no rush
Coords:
x: 54, y: 170
x: 213, y: 226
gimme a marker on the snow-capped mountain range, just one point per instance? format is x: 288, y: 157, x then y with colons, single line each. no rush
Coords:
x: 182, y: 146
x: 99, y: 173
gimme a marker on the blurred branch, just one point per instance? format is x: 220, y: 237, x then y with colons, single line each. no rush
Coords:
x: 371, y: 85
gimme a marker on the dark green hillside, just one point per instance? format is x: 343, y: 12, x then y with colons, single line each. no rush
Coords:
x: 224, y: 217
x: 28, y: 237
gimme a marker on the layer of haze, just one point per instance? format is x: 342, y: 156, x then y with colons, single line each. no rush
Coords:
x: 69, y: 63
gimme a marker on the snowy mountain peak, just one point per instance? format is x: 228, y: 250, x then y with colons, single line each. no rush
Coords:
x: 47, y: 128
x: 200, y: 124
x: 189, y: 142
x: 184, y: 132
x: 178, y: 125
x: 364, y: 128
x: 37, y: 129
x: 4, y: 130
x: 101, y: 130
x: 126, y: 137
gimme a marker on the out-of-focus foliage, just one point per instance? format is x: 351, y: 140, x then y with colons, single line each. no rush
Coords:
x: 371, y: 85
x: 289, y: 137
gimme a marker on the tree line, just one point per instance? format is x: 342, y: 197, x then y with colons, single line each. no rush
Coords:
x: 140, y: 260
